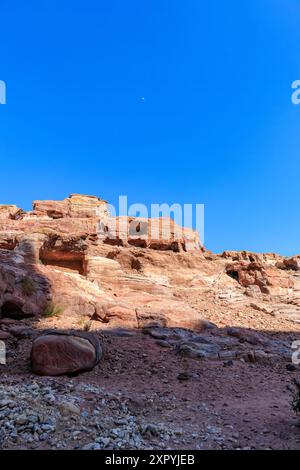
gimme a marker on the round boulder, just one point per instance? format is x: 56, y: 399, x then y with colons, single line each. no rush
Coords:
x: 59, y: 352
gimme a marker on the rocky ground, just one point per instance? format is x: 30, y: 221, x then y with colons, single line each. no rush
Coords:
x: 144, y: 395
x: 195, y: 348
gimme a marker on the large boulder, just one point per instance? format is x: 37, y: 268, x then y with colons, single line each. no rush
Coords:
x: 60, y: 352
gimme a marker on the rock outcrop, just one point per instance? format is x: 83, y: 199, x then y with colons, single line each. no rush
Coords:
x: 24, y: 292
x: 292, y: 263
x: 81, y: 261
x: 269, y: 279
x: 71, y: 261
x: 75, y: 206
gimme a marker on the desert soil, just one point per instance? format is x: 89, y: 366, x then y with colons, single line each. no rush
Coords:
x: 142, y: 395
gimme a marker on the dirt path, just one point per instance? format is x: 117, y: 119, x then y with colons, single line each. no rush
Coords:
x: 236, y: 406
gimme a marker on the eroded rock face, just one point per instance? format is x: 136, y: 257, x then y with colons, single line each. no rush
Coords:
x: 10, y: 211
x: 292, y: 263
x: 161, y: 234
x: 24, y: 292
x: 61, y: 256
x: 76, y: 206
x: 269, y: 258
x: 269, y: 279
x: 69, y: 259
x: 58, y: 353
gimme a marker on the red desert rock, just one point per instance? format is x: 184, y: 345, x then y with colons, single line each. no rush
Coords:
x: 72, y: 261
x: 268, y: 278
x: 59, y: 353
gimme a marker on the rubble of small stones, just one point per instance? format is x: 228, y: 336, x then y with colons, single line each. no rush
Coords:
x: 55, y: 415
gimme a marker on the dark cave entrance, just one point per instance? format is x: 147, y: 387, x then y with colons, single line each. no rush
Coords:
x: 233, y: 274
x: 11, y: 309
x: 66, y: 261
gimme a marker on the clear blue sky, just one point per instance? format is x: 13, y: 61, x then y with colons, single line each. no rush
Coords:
x: 216, y: 127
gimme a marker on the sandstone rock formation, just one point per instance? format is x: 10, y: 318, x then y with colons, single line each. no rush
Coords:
x: 24, y: 292
x: 267, y: 278
x: 86, y: 263
x: 71, y: 262
x: 76, y: 206
x: 290, y: 263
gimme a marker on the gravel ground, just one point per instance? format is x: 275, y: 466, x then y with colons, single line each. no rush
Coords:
x: 144, y: 396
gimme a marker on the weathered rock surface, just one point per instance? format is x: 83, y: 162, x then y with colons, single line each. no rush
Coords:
x: 269, y: 279
x: 290, y: 263
x: 24, y: 292
x: 74, y: 206
x: 56, y: 259
x: 161, y: 234
x: 58, y: 353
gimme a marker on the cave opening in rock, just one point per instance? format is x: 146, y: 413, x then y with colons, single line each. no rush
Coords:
x: 136, y: 227
x: 11, y: 309
x: 234, y: 275
x: 65, y: 261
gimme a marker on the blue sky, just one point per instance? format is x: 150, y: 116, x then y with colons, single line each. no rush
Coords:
x: 217, y: 125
